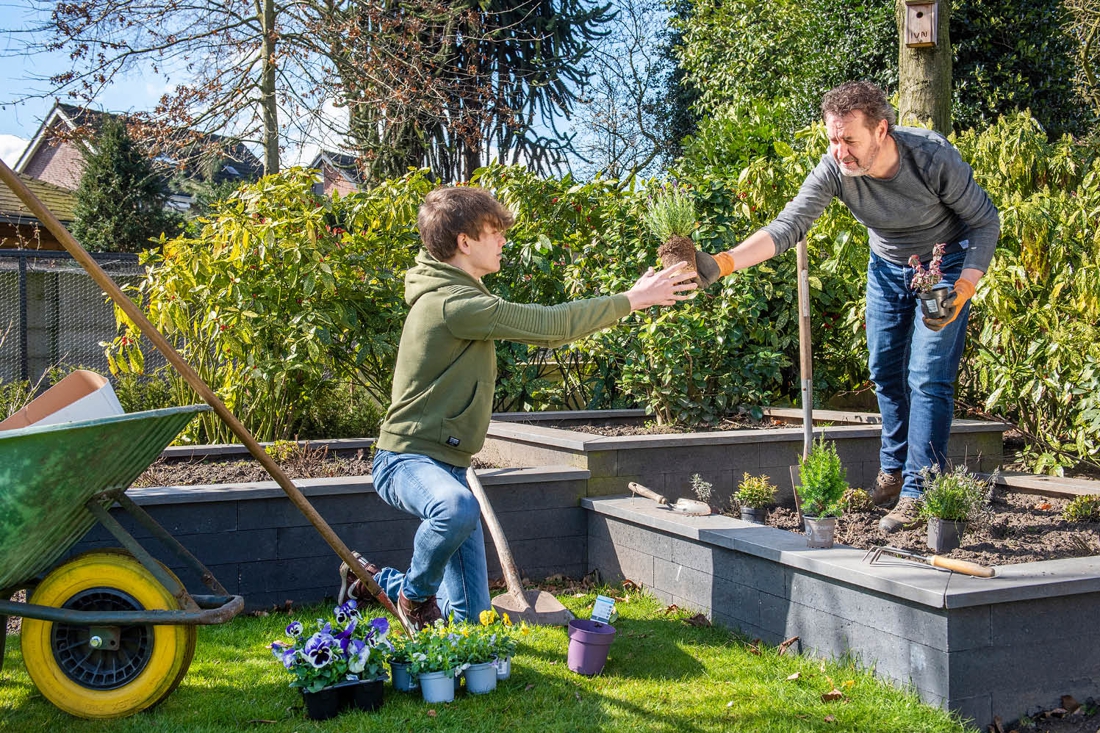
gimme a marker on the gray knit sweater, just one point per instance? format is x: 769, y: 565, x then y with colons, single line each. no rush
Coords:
x: 932, y: 198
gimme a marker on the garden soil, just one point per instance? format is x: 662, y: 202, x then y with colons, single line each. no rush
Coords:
x: 677, y: 249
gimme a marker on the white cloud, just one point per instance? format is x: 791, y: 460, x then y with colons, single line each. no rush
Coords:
x: 11, y: 147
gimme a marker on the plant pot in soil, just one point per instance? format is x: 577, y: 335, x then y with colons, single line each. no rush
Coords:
x: 931, y: 303
x: 754, y: 515
x: 677, y: 249
x: 589, y: 643
x: 480, y: 678
x: 365, y: 695
x: 437, y: 686
x: 504, y: 668
x: 820, y: 531
x: 944, y: 534
x: 402, y: 680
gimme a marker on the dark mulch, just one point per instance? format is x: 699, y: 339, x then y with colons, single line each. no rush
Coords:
x: 1016, y: 528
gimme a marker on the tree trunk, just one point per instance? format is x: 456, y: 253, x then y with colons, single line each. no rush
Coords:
x: 267, y: 92
x: 924, y: 75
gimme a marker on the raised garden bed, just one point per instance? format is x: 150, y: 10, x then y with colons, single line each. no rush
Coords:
x: 666, y: 463
x: 1001, y: 646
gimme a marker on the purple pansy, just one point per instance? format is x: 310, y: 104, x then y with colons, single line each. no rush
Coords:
x: 320, y: 650
x: 294, y: 628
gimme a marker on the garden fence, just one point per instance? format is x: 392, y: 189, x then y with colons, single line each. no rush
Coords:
x: 53, y: 314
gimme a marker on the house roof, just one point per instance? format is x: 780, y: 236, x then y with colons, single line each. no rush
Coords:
x: 346, y: 165
x: 58, y: 200
x: 238, y: 162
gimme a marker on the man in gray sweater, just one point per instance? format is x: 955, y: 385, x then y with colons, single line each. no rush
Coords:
x: 912, y: 190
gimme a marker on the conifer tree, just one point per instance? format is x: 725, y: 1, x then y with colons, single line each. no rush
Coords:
x: 120, y: 201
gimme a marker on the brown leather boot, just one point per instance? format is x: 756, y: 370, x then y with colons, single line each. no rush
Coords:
x: 904, y: 515
x: 351, y: 588
x: 887, y: 488
x: 418, y: 614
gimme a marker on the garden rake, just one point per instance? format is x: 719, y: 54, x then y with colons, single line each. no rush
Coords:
x: 101, y: 278
x: 937, y: 561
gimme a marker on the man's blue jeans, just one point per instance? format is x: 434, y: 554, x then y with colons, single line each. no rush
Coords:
x: 913, y: 369
x: 449, y: 547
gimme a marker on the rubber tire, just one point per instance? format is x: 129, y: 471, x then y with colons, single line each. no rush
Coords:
x: 173, y: 646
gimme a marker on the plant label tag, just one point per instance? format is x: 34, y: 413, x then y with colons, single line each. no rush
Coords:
x: 603, y: 610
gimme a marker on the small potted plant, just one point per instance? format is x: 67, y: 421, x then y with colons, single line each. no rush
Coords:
x: 754, y: 495
x: 477, y: 653
x: 402, y: 680
x: 950, y: 501
x: 822, y: 483
x: 670, y: 217
x: 435, y: 659
x: 502, y: 640
x: 928, y: 283
x: 341, y: 663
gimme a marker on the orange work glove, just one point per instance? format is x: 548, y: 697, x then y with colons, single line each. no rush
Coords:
x: 712, y: 268
x: 953, y: 304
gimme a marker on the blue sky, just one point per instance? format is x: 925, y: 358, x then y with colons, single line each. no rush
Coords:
x: 22, y: 76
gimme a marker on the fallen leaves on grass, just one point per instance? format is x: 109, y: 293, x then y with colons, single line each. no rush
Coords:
x: 698, y: 620
x: 793, y: 677
x: 432, y: 713
x: 832, y: 695
x: 530, y: 686
x: 672, y: 609
x: 830, y: 718
x: 786, y: 644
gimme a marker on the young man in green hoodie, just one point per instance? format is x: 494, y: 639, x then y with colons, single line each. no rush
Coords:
x: 443, y: 394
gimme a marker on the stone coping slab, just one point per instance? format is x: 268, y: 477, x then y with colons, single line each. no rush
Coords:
x: 582, y: 442
x: 906, y: 579
x: 155, y: 495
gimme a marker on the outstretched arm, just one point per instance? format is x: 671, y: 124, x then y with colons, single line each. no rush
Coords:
x: 662, y: 288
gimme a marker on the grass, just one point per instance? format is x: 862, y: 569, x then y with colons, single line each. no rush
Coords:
x: 663, y: 674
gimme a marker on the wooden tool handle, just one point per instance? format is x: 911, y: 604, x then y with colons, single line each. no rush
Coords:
x: 962, y: 566
x: 646, y: 492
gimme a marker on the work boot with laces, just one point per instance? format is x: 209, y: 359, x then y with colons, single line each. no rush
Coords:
x: 904, y: 515
x: 417, y: 614
x: 887, y: 488
x: 351, y: 588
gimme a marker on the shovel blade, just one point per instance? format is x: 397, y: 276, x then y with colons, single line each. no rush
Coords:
x: 536, y: 607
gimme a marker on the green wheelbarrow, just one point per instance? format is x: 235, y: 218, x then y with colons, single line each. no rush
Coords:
x: 107, y: 633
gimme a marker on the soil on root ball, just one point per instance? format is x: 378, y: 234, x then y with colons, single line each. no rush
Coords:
x: 678, y: 249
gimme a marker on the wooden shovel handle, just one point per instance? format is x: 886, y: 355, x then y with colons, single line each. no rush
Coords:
x: 647, y: 492
x: 962, y: 566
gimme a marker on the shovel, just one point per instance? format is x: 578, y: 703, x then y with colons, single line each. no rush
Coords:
x: 936, y: 561
x: 690, y: 507
x: 534, y: 606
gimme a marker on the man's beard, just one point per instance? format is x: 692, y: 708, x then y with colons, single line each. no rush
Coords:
x: 861, y: 169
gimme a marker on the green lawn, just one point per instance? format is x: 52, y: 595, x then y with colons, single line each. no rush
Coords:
x: 663, y: 675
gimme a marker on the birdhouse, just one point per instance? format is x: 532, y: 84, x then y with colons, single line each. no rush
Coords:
x: 920, y: 23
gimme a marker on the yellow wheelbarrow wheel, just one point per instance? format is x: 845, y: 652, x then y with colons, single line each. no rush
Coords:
x: 137, y: 667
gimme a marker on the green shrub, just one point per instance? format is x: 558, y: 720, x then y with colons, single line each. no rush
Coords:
x: 14, y: 396
x: 822, y: 481
x: 755, y: 492
x: 1082, y: 509
x: 281, y: 295
x: 701, y: 488
x: 954, y: 495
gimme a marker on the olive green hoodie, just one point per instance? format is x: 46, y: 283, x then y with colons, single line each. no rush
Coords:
x: 446, y: 363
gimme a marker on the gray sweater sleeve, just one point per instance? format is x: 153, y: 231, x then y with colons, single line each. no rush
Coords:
x: 954, y: 183
x: 800, y: 213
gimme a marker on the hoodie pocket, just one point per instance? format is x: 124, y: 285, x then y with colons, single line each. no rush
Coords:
x: 466, y: 430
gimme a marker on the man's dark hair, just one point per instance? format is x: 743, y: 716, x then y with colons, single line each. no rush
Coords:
x: 452, y: 210
x: 859, y: 96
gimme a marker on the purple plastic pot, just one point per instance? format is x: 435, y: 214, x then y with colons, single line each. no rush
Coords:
x: 589, y: 643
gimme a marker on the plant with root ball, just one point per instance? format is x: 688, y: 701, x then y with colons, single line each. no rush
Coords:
x: 670, y: 217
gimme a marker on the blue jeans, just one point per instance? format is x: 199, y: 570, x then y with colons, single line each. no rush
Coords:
x: 448, y: 558
x: 913, y: 369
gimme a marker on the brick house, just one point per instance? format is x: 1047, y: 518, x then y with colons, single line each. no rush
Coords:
x: 20, y: 229
x: 339, y: 173
x: 55, y: 155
